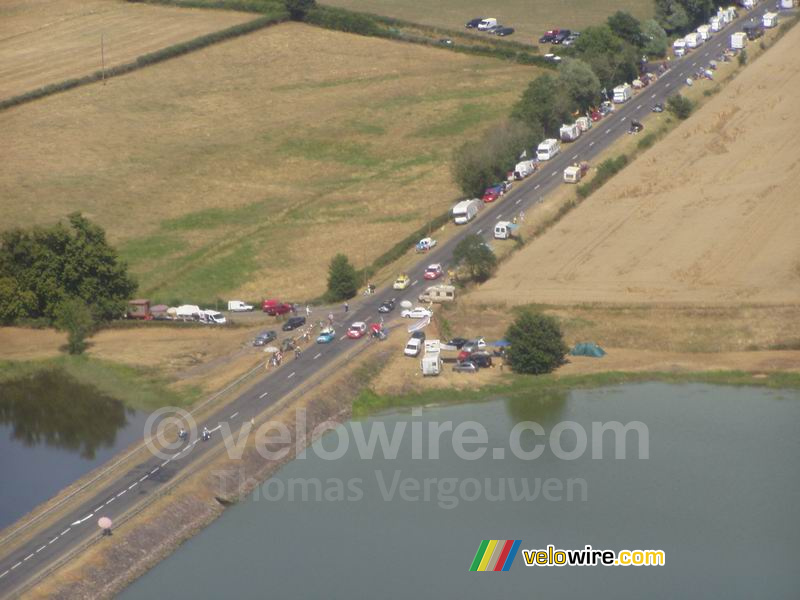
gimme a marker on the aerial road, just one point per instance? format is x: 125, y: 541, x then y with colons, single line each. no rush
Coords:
x: 21, y: 565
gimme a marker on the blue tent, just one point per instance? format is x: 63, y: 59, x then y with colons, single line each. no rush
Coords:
x: 500, y: 344
x: 588, y: 349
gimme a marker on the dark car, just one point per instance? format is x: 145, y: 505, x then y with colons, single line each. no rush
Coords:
x: 636, y: 127
x: 294, y: 323
x: 561, y: 36
x: 457, y: 342
x: 465, y: 367
x: 481, y: 359
x: 547, y: 38
x: 657, y: 108
x: 386, y: 306
x: 472, y: 24
x: 264, y: 338
x: 504, y: 31
x: 419, y: 335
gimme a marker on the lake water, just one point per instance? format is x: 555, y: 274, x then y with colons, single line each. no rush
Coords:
x: 719, y: 494
x: 53, y: 430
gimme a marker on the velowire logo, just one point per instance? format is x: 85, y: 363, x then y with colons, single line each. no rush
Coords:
x: 495, y: 555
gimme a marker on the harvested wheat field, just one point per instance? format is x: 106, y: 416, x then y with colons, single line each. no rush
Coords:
x: 244, y: 167
x: 709, y: 215
x: 47, y: 41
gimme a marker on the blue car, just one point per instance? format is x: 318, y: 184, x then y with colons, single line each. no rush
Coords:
x: 326, y: 336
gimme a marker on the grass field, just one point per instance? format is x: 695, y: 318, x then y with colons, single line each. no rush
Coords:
x: 48, y: 41
x: 242, y: 168
x: 529, y: 19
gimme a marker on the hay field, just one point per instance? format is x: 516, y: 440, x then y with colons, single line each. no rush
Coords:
x: 240, y: 169
x: 47, y: 41
x: 709, y: 215
x: 529, y: 19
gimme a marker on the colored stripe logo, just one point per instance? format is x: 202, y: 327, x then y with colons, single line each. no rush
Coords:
x: 495, y: 555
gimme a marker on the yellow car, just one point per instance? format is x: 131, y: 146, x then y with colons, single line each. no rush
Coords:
x: 402, y: 282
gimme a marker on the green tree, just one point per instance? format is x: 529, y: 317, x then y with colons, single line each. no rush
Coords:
x: 580, y: 83
x: 626, y: 27
x: 477, y: 164
x: 537, y: 345
x: 672, y: 16
x: 15, y: 304
x: 544, y: 105
x: 680, y: 106
x: 479, y: 260
x: 298, y: 9
x: 655, y: 38
x: 613, y: 60
x: 75, y: 317
x: 49, y: 265
x: 342, y: 279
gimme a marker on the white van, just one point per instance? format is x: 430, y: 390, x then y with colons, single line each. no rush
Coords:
x: 465, y: 211
x: 504, y: 230
x: 413, y: 347
x: 213, y: 317
x: 188, y: 311
x: 239, y: 306
x: 548, y: 149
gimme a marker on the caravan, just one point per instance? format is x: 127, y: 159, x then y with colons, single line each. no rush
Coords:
x: 465, y: 211
x: 438, y: 293
x: 570, y: 133
x: 432, y: 361
x: 623, y: 93
x: 548, y: 149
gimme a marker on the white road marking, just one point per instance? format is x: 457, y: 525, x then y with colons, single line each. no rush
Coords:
x: 110, y: 500
x: 40, y: 549
x: 67, y: 530
x: 653, y: 96
x: 141, y: 479
x: 480, y: 231
x: 264, y: 394
x: 623, y: 118
x: 30, y: 556
x: 518, y: 201
x: 538, y: 185
x: 16, y: 565
x: 638, y: 107
x: 96, y: 509
x: 574, y: 157
x: 591, y: 144
x: 694, y: 64
x: 154, y: 470
x: 344, y: 336
x: 53, y: 540
x: 554, y: 173
x: 667, y: 85
x: 290, y: 375
x: 415, y: 282
x: 164, y: 464
x: 234, y: 415
x: 79, y: 521
x: 215, y: 428
x: 4, y: 573
x: 318, y: 355
x: 500, y: 215
x: 608, y: 131
x: 133, y: 485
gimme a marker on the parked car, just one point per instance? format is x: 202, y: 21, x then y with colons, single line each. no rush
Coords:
x: 504, y: 31
x: 294, y: 323
x: 493, y: 193
x: 548, y: 36
x: 636, y: 127
x: 481, y: 359
x: 357, y: 330
x: 419, y: 312
x: 326, y: 336
x: 275, y: 307
x: 418, y: 335
x: 657, y: 108
x: 264, y: 338
x: 402, y: 282
x: 561, y: 36
x: 552, y: 57
x: 413, y: 347
x: 386, y: 306
x: 433, y: 271
x: 473, y: 23
x: 465, y: 367
x: 457, y: 342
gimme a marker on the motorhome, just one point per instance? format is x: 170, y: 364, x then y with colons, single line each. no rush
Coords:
x: 679, y: 47
x: 584, y: 123
x: 770, y: 20
x: 548, y: 149
x: 693, y: 40
x: 431, y: 362
x: 465, y: 211
x: 438, y: 293
x: 623, y: 93
x: 738, y: 40
x: 523, y: 169
x: 704, y: 31
x: 570, y: 133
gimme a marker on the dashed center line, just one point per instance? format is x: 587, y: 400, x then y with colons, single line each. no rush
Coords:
x: 110, y: 500
x: 499, y: 215
x: 154, y: 470
x: 554, y: 173
x: 30, y: 556
x: 518, y: 201
x: 415, y: 282
x: 667, y: 85
x: 574, y: 157
x: 142, y: 478
x: 623, y: 118
x: 608, y: 130
x: 40, y: 549
x: 55, y: 539
x: 318, y: 355
x: 133, y: 485
x: 653, y: 96
x: 591, y: 144
x: 694, y: 64
x: 16, y: 565
x: 537, y: 186
x: 290, y: 375
x: 4, y: 573
x: 264, y: 394
x: 234, y: 415
x: 66, y: 531
x: 638, y: 107
x: 480, y: 231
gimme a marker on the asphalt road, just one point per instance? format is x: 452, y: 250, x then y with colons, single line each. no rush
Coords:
x: 19, y: 568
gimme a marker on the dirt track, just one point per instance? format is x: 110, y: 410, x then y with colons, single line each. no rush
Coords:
x: 709, y: 215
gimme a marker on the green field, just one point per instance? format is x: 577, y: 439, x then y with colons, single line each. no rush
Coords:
x: 241, y: 169
x: 529, y: 19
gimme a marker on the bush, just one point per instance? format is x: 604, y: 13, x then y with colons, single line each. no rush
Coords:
x: 76, y: 319
x: 476, y: 256
x: 537, y: 345
x: 742, y: 58
x: 342, y: 279
x: 680, y: 106
x: 343, y: 20
x: 607, y: 169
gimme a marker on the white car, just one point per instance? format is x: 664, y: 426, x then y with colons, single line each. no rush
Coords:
x: 413, y: 347
x: 419, y: 312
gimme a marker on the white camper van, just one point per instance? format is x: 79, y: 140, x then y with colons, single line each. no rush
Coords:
x: 570, y: 133
x: 623, y: 93
x: 548, y: 149
x: 431, y: 361
x: 487, y: 23
x: 693, y: 40
x: 465, y: 211
x: 738, y: 40
x: 438, y: 293
x: 679, y: 47
x: 523, y: 169
x: 504, y: 230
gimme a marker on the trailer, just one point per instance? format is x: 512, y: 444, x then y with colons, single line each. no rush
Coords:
x: 139, y: 309
x: 465, y: 211
x: 623, y: 93
x: 770, y: 20
x: 738, y: 40
x: 693, y: 40
x: 570, y: 132
x: 574, y: 173
x: 584, y: 123
x: 704, y: 31
x: 431, y: 363
x: 524, y: 168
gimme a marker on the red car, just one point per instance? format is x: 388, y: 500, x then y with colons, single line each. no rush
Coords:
x: 357, y: 330
x: 493, y: 193
x: 433, y: 271
x: 275, y: 307
x: 596, y: 116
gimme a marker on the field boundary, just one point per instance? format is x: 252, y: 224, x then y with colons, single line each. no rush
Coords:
x: 145, y: 60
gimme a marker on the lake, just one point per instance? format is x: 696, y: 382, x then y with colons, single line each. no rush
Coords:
x: 718, y: 493
x: 54, y: 430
